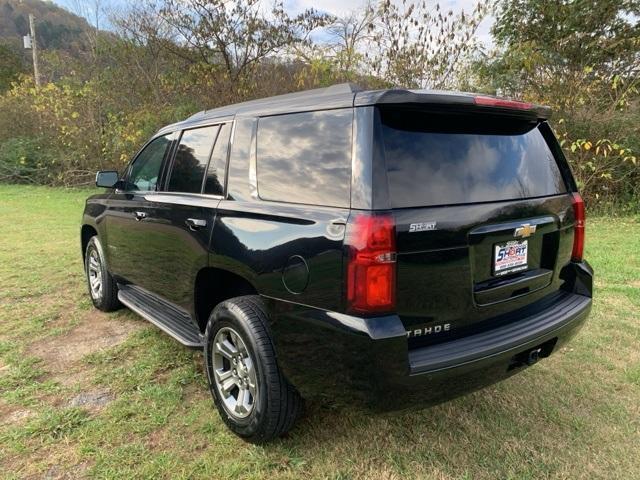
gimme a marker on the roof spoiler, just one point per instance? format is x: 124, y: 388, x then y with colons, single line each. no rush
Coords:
x: 444, y: 100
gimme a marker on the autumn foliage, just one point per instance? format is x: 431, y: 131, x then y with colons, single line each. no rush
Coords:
x: 162, y: 60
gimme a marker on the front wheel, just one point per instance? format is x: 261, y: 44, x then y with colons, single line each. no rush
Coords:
x: 102, y: 287
x: 251, y: 394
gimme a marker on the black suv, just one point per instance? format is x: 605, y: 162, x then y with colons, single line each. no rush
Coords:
x: 392, y: 247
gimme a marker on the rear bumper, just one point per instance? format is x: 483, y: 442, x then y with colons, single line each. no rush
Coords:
x: 367, y: 360
x: 447, y: 370
x: 564, y: 315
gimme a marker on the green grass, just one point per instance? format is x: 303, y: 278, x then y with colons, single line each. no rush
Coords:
x: 574, y: 415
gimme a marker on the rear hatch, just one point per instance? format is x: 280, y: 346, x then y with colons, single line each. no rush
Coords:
x: 483, y: 217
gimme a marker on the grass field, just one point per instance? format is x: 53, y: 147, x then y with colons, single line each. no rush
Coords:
x: 86, y: 394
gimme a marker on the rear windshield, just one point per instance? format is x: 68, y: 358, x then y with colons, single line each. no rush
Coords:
x: 436, y: 159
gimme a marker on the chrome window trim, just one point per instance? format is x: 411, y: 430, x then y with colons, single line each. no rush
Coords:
x: 225, y: 190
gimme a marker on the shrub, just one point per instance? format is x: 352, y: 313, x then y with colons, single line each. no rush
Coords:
x: 25, y: 160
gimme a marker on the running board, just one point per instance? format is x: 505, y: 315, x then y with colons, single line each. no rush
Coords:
x: 162, y: 315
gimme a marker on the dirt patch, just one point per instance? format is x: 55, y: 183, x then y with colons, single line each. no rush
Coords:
x: 96, y: 331
x: 62, y: 462
x: 72, y: 473
x: 14, y: 415
x: 92, y: 400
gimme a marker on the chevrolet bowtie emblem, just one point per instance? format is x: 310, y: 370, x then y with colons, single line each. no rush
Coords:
x: 524, y: 231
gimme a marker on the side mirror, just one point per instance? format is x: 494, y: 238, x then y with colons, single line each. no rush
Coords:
x: 106, y: 179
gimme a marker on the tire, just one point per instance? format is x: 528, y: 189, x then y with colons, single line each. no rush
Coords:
x: 95, y: 267
x: 274, y: 405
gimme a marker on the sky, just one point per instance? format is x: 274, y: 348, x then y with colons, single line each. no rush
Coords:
x: 335, y: 7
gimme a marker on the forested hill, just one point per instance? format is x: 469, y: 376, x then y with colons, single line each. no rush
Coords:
x: 56, y: 28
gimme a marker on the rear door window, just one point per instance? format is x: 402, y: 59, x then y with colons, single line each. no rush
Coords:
x: 191, y: 159
x: 305, y: 157
x: 434, y: 159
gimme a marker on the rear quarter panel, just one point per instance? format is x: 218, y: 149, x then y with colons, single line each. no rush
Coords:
x: 268, y: 242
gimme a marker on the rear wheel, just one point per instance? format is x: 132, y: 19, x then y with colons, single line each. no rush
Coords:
x: 102, y: 287
x: 251, y: 394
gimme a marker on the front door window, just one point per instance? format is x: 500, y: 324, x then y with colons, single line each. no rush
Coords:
x: 145, y: 170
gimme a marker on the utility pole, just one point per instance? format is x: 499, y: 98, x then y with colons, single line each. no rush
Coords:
x: 34, y: 49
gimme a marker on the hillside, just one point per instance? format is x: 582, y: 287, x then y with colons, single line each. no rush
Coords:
x: 57, y: 28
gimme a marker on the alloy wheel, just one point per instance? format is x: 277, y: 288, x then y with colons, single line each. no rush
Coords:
x: 94, y: 275
x: 234, y: 373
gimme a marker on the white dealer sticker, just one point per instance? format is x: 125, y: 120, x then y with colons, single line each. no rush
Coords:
x: 510, y: 257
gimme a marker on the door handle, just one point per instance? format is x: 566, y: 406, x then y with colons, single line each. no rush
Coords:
x: 196, y: 223
x: 140, y: 215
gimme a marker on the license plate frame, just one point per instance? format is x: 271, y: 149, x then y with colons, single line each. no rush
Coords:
x: 510, y: 257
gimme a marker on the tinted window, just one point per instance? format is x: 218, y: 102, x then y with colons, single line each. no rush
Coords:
x: 214, y: 183
x: 145, y: 170
x: 306, y: 157
x: 437, y: 160
x: 191, y: 160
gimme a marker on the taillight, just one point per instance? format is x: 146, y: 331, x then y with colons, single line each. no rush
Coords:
x: 371, y: 268
x: 502, y: 103
x: 578, y: 229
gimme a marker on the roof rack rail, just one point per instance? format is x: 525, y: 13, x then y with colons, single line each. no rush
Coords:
x: 337, y: 89
x: 347, y: 87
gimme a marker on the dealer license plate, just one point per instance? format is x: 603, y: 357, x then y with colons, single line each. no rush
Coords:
x: 510, y: 257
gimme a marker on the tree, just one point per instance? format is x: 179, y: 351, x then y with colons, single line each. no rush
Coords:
x: 236, y: 35
x: 583, y: 59
x: 420, y: 46
x: 10, y: 67
x: 350, y: 33
x: 565, y: 45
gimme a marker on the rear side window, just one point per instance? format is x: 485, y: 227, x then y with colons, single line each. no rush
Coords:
x: 305, y: 158
x: 435, y: 159
x: 191, y: 160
